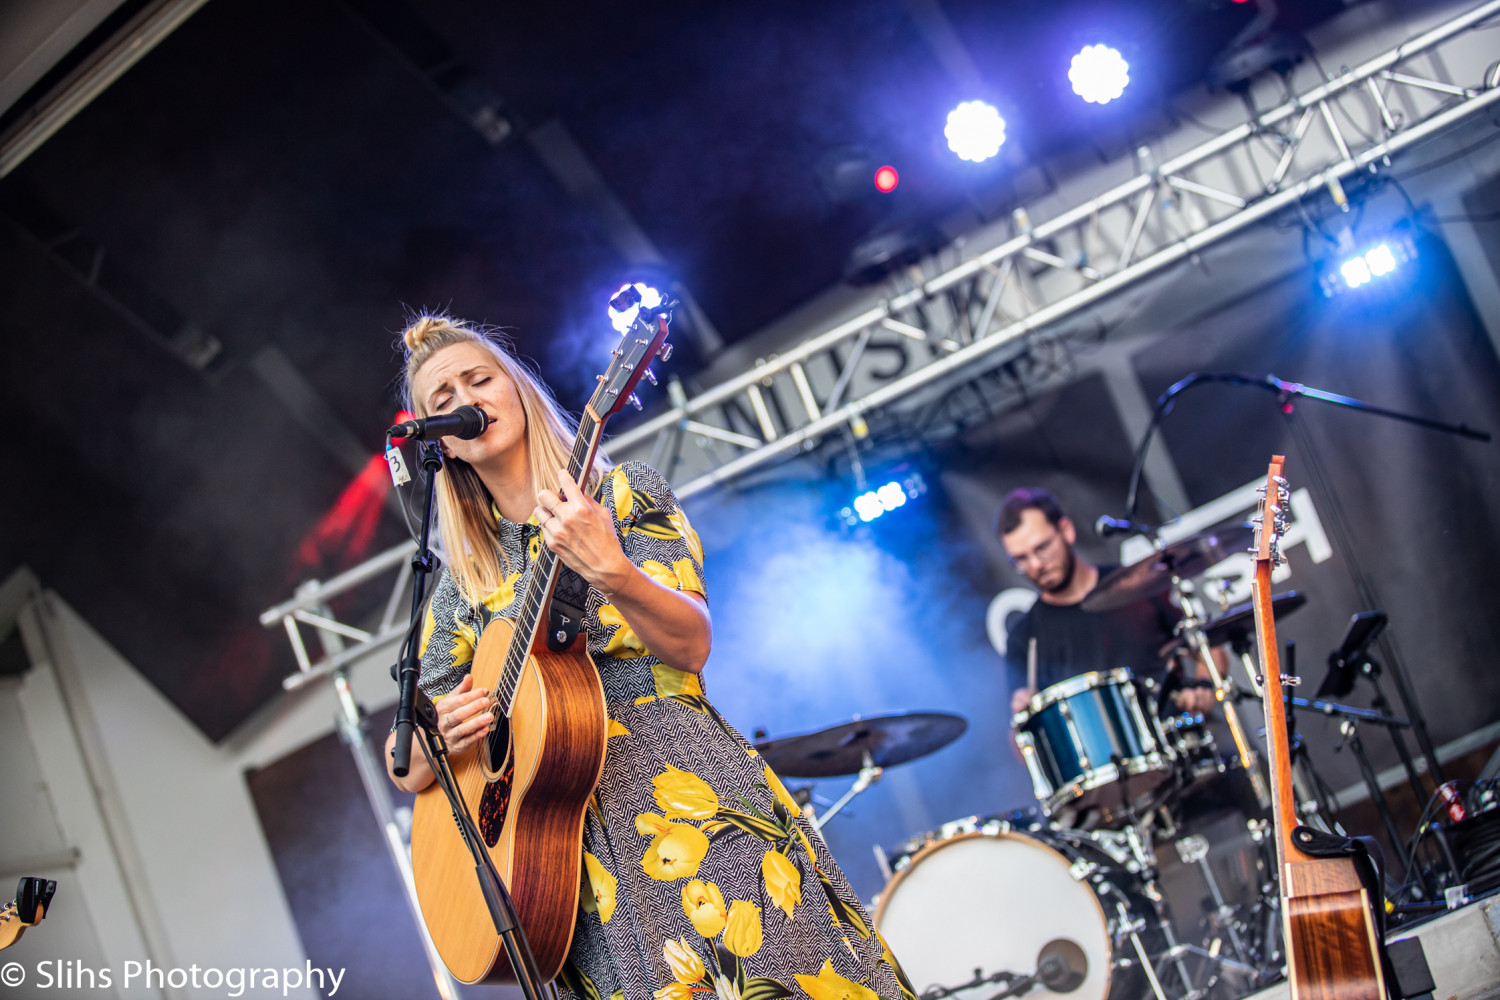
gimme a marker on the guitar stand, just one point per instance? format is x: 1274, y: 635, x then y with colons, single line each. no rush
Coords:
x: 496, y: 896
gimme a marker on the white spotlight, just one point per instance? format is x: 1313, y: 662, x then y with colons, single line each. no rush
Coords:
x: 1099, y: 74
x: 621, y: 319
x: 1381, y: 260
x: 1355, y: 271
x: 975, y: 131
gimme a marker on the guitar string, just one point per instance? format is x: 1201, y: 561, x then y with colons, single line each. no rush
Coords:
x: 543, y: 576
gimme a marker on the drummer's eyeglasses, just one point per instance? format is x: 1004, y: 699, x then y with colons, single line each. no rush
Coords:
x: 1043, y: 550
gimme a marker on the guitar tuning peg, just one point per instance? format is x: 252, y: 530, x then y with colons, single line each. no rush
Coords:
x: 666, y: 351
x: 634, y: 401
x: 649, y: 375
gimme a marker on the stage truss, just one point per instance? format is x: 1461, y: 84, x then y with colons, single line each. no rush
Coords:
x: 973, y: 316
x: 976, y: 314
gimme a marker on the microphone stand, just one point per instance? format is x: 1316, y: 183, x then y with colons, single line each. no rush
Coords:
x: 415, y: 709
x: 1285, y: 391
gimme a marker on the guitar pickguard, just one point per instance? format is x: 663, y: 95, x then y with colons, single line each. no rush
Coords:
x: 499, y: 772
x: 494, y: 804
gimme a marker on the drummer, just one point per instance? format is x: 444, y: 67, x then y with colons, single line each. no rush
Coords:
x: 1040, y: 540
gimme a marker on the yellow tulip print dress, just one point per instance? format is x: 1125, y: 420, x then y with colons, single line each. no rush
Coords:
x: 701, y: 881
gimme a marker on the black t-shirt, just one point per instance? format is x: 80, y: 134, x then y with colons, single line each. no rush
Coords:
x: 1071, y: 641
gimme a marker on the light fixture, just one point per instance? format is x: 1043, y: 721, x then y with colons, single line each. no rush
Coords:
x: 1358, y: 267
x: 890, y: 496
x: 886, y: 179
x: 1099, y: 74
x: 975, y: 131
x: 622, y: 318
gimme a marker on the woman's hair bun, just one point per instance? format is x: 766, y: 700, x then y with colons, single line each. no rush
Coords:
x: 423, y: 328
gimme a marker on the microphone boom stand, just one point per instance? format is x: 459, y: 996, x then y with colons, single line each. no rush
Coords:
x: 1285, y: 391
x: 415, y: 710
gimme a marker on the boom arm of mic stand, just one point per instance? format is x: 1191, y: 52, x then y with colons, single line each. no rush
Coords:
x: 1283, y: 389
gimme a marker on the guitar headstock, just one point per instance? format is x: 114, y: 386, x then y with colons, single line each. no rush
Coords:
x: 643, y: 342
x: 1270, y: 520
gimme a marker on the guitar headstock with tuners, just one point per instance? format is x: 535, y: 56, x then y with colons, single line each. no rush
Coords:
x: 1270, y: 521
x: 642, y: 343
x: 33, y: 896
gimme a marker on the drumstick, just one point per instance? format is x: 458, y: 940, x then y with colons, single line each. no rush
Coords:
x: 1031, y: 665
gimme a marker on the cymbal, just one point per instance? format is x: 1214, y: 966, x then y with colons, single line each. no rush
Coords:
x: 1152, y: 575
x: 841, y: 749
x: 1240, y: 619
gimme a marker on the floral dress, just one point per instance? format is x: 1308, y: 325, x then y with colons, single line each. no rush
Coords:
x: 701, y: 879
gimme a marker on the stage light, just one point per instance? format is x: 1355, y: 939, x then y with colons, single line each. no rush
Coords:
x: 1358, y: 268
x: 621, y: 319
x: 886, y: 179
x: 888, y: 497
x: 1099, y: 74
x: 975, y: 131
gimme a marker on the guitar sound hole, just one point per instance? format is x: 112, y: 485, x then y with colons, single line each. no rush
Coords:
x: 496, y: 748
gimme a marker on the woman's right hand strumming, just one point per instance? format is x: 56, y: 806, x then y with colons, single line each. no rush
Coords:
x: 464, y: 716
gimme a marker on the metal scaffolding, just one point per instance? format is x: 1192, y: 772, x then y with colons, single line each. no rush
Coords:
x: 972, y: 316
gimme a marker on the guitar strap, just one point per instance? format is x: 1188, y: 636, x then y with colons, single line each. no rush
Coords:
x: 565, y: 614
x: 569, y: 600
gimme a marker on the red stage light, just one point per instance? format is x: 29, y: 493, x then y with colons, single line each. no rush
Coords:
x: 402, y: 416
x: 886, y: 179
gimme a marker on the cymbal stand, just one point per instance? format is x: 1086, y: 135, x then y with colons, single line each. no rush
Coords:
x: 1191, y: 629
x: 868, y: 775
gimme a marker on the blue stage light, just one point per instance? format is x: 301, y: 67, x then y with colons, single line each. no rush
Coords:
x: 888, y: 497
x: 1358, y: 266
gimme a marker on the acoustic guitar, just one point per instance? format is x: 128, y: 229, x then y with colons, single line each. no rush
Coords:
x: 1332, y: 947
x: 33, y: 896
x: 527, y: 786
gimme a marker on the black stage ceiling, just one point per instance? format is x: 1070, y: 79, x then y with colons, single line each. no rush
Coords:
x: 206, y: 268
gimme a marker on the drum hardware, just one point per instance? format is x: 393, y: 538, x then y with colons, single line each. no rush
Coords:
x: 868, y: 775
x: 1061, y: 966
x: 1193, y: 850
x: 862, y: 747
x: 1192, y: 631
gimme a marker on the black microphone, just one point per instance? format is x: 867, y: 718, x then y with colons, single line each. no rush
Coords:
x: 465, y: 422
x: 1107, y: 526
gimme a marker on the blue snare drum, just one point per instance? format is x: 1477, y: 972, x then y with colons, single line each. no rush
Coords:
x: 1087, y: 743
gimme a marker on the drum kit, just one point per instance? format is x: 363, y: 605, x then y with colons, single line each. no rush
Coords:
x: 1065, y: 897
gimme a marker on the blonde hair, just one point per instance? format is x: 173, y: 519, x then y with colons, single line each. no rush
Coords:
x: 464, y: 517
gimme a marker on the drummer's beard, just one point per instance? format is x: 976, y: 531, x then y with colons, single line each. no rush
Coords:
x: 1070, y: 567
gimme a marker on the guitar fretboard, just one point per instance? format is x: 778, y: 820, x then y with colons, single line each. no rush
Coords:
x: 543, y: 579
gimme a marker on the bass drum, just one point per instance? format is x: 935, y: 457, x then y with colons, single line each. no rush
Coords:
x: 991, y: 902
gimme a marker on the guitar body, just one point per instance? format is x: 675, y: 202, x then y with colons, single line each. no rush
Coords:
x: 1329, y: 932
x: 1330, y: 941
x: 530, y: 817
